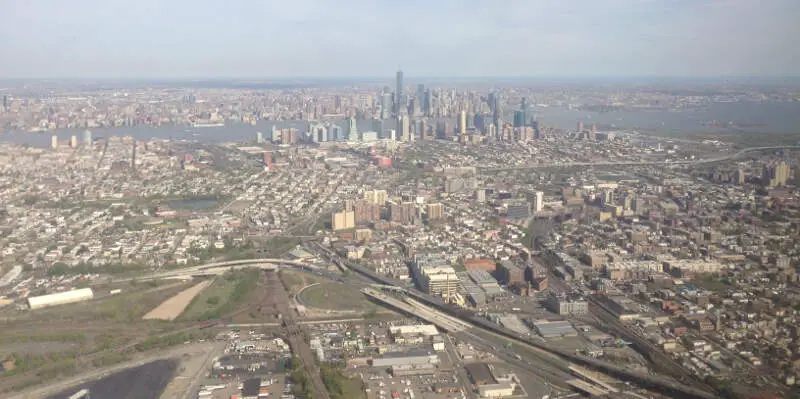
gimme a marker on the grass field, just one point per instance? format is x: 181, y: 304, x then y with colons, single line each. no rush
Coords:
x: 226, y: 293
x: 335, y: 296
x: 125, y: 308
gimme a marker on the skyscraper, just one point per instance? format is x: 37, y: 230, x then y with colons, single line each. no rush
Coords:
x: 399, y: 95
x: 386, y: 105
x: 54, y: 142
x: 73, y: 141
x: 5, y: 103
x: 404, y: 127
x: 426, y: 105
x: 259, y: 137
x: 580, y: 126
x: 377, y: 126
x: 462, y: 122
x: 521, y: 114
x: 352, y: 129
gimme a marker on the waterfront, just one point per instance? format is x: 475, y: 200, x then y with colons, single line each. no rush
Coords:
x: 768, y: 117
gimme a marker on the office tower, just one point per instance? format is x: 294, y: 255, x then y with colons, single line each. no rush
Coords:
x: 580, y: 126
x: 420, y: 92
x: 478, y: 122
x: 421, y: 130
x: 335, y: 133
x: 403, y: 125
x: 73, y: 141
x: 273, y: 133
x: 519, y: 119
x: 435, y: 211
x: 5, y: 103
x: 411, y: 107
x: 399, y: 96
x: 594, y: 128
x: 539, y: 203
x: 87, y: 137
x: 352, y: 129
x: 259, y: 137
x: 480, y: 195
x: 776, y: 174
x: 462, y: 122
x: 427, y: 104
x: 54, y: 142
x: 392, y: 135
x: 268, y: 159
x: 133, y: 156
x: 386, y: 105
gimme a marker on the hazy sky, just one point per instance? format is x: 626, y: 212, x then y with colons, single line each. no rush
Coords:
x: 351, y: 38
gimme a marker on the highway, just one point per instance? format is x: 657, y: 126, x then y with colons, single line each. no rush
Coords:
x: 638, y: 163
x: 646, y: 380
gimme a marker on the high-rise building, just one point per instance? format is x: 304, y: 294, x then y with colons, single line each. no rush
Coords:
x: 399, y: 95
x: 375, y: 197
x: 386, y: 105
x: 435, y: 211
x: 580, y: 126
x: 403, y: 125
x: 335, y: 133
x: 87, y: 138
x: 352, y: 129
x: 5, y: 103
x: 462, y: 122
x: 54, y: 142
x: 73, y: 141
x: 519, y: 118
x: 420, y: 92
x: 366, y: 212
x: 776, y: 174
x: 740, y: 176
x: 538, y: 205
x: 259, y: 137
x: 427, y: 104
x: 343, y: 220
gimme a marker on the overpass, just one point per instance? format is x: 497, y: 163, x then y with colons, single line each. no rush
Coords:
x: 437, y: 306
x: 639, y: 163
x: 218, y: 268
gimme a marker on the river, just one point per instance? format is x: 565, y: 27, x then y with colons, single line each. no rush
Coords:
x: 769, y: 116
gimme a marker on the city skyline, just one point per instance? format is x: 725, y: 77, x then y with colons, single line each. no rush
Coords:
x: 89, y: 39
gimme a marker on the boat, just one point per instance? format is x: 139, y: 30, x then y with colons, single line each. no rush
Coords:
x: 199, y: 125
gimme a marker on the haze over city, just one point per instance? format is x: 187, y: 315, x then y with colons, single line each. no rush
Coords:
x: 400, y: 199
x: 360, y: 38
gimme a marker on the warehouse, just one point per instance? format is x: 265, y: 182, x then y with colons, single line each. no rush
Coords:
x: 500, y: 390
x: 411, y: 357
x: 43, y: 301
x: 554, y: 329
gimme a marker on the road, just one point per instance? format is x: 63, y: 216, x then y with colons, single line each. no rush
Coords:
x: 640, y: 163
x: 294, y: 334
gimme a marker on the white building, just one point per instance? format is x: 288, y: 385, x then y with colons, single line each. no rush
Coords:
x: 61, y: 298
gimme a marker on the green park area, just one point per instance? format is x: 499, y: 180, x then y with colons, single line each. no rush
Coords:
x: 335, y: 296
x: 223, y: 296
x: 340, y: 386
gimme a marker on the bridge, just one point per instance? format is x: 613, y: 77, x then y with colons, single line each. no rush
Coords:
x: 218, y: 268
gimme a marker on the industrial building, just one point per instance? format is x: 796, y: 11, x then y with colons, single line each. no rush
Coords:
x: 554, y: 329
x: 61, y: 298
x: 408, y: 358
x: 567, y: 305
x: 509, y: 273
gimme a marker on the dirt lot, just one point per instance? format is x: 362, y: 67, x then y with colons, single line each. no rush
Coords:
x: 173, y: 307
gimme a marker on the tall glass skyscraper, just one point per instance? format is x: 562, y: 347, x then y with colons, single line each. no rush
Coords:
x: 399, y: 95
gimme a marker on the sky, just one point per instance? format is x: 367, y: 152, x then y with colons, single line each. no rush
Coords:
x: 372, y: 38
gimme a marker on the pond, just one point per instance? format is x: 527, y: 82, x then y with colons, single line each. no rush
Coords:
x: 200, y: 204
